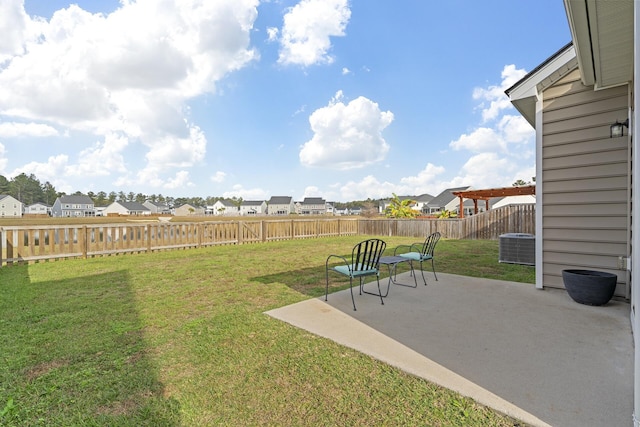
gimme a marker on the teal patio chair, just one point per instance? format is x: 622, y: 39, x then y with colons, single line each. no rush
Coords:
x: 365, y: 261
x: 420, y: 252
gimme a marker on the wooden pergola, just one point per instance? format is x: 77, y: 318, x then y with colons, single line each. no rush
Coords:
x: 490, y: 193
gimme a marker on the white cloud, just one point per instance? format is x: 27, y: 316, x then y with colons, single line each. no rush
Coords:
x: 173, y: 151
x: 487, y: 170
x: 346, y: 136
x: 424, y: 181
x: 494, y: 95
x: 516, y: 130
x: 246, y: 193
x: 14, y: 23
x: 481, y: 139
x: 13, y: 130
x: 369, y: 186
x: 130, y: 72
x: 218, y: 177
x: 345, y: 71
x: 308, y: 26
x: 180, y: 180
x: 4, y: 161
x: 104, y: 158
x: 53, y: 170
x: 272, y: 34
x: 503, y: 150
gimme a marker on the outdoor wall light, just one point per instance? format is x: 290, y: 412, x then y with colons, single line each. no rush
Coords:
x: 617, y: 129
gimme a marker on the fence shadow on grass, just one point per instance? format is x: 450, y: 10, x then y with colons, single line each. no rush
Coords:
x: 308, y: 281
x: 78, y: 345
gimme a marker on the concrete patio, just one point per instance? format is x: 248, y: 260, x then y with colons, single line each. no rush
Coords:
x: 533, y: 354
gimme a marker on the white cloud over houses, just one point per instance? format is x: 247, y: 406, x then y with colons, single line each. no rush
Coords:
x: 305, y: 38
x: 346, y: 136
x: 125, y: 75
x: 246, y: 193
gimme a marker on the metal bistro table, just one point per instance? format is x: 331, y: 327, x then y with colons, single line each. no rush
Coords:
x: 392, y: 264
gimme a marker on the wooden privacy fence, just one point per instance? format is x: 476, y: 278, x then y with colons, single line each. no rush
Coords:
x: 49, y: 242
x: 485, y: 225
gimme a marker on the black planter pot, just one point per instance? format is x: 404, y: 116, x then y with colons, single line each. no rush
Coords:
x: 589, y: 287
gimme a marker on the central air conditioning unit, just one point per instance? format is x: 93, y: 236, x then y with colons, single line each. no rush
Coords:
x: 518, y: 248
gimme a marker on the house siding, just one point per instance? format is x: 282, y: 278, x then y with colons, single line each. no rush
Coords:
x: 585, y: 181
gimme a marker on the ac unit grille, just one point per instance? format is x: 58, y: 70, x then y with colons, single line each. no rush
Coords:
x: 517, y: 248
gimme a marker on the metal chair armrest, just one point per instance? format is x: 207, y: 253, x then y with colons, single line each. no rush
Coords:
x: 340, y: 257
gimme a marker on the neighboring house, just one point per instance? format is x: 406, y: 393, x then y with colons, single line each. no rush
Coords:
x: 9, y: 206
x: 127, y: 209
x: 447, y: 201
x: 253, y: 207
x: 499, y: 202
x: 313, y: 206
x: 157, y: 208
x: 188, y: 210
x: 75, y: 205
x: 330, y: 209
x: 225, y: 207
x: 421, y: 203
x: 280, y: 205
x: 37, y: 209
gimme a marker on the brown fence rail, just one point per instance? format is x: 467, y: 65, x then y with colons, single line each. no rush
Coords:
x: 39, y: 243
x: 50, y: 242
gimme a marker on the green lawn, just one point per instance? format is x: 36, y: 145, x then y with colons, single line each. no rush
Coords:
x: 179, y: 338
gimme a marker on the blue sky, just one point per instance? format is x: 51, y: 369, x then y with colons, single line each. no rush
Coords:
x: 340, y: 99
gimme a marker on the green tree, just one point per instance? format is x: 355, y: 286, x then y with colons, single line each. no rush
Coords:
x: 101, y: 198
x: 401, y: 208
x: 49, y: 193
x: 4, y: 185
x: 113, y: 196
x: 26, y: 189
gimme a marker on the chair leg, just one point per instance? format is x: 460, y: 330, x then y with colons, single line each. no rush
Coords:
x: 351, y: 289
x: 433, y: 267
x: 379, y: 291
x: 422, y: 272
x: 326, y: 291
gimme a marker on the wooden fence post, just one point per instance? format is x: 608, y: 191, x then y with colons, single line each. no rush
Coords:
x: 148, y: 237
x: 85, y: 242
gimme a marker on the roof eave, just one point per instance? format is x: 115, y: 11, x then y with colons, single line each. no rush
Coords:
x: 524, y: 93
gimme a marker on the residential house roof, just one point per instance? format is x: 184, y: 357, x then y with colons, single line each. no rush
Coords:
x: 445, y: 197
x: 252, y: 202
x: 134, y: 206
x: 313, y: 201
x: 280, y: 200
x: 76, y: 199
x: 157, y: 204
x: 424, y: 198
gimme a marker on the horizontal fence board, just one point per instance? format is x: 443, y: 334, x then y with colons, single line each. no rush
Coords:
x: 20, y: 244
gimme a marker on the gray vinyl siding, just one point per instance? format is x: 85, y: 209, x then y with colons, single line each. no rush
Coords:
x: 585, y: 181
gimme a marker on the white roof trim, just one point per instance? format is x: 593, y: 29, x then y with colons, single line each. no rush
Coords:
x: 524, y: 94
